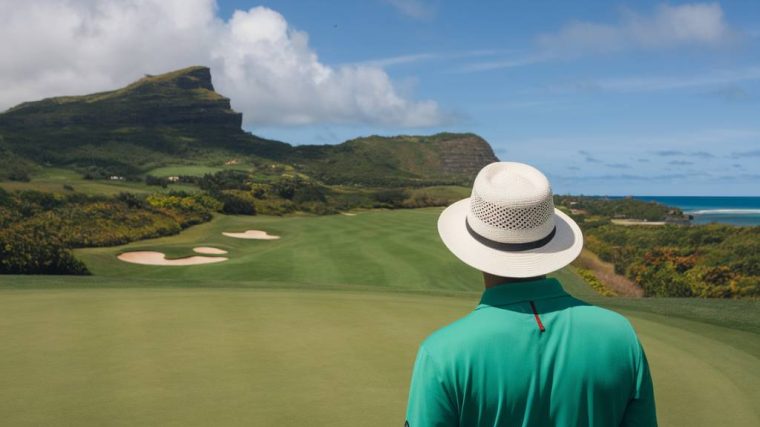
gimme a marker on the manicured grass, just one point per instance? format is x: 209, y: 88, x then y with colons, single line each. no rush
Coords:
x: 53, y: 179
x: 285, y: 357
x: 398, y: 249
x: 317, y: 328
x: 193, y: 170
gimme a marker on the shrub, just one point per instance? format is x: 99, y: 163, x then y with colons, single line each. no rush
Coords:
x: 131, y: 200
x: 35, y: 250
x: 17, y: 174
x: 233, y: 204
x: 392, y: 197
x: 158, y: 181
x: 594, y: 282
x: 298, y: 189
x: 224, y: 180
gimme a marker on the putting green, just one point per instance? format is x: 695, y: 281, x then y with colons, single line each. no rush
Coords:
x: 319, y: 327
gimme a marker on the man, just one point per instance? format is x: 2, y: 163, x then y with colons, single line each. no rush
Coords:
x: 529, y: 354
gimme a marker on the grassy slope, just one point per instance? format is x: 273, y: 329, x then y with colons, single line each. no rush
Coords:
x: 193, y: 170
x: 53, y: 180
x: 236, y: 351
x: 177, y: 117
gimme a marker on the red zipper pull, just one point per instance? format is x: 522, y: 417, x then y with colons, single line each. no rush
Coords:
x: 538, y: 319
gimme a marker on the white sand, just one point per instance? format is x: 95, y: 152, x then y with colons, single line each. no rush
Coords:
x: 209, y: 251
x: 158, y: 258
x: 348, y: 214
x: 252, y: 234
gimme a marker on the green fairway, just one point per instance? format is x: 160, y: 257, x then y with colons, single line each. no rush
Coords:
x: 319, y: 327
x: 194, y: 170
x: 53, y: 180
x: 374, y: 248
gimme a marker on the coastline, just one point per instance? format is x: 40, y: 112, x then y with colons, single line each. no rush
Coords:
x: 739, y: 211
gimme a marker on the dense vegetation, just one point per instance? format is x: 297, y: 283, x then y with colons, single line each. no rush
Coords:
x: 37, y: 229
x: 244, y: 192
x: 404, y: 160
x: 713, y: 261
x: 628, y: 208
x: 593, y: 281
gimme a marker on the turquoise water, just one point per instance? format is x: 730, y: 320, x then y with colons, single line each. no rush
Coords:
x: 727, y: 210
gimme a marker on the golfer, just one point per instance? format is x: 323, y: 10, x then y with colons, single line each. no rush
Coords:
x: 529, y: 354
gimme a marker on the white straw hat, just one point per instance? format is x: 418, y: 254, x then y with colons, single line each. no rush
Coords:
x: 509, y: 226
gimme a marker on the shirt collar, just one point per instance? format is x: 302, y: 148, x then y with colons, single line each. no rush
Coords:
x: 511, y: 293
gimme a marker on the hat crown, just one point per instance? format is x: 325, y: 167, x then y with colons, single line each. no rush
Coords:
x: 511, y: 203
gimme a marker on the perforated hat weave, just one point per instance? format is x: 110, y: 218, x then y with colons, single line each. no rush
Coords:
x: 509, y: 226
x: 511, y: 203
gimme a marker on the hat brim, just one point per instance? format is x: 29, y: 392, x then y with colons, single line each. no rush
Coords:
x: 557, y: 253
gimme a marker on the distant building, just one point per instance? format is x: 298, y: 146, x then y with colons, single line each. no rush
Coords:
x: 116, y: 178
x: 173, y: 178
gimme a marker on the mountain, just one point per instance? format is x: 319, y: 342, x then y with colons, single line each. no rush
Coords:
x: 445, y: 157
x: 178, y: 117
x: 181, y: 98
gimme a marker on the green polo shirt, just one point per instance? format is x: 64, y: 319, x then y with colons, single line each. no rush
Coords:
x: 496, y: 367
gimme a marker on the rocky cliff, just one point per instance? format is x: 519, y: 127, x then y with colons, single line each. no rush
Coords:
x: 181, y: 98
x: 464, y: 154
x: 178, y: 117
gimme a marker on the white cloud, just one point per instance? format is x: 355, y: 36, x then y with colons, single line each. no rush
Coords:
x: 62, y: 47
x: 432, y: 56
x: 716, y: 78
x: 657, y: 83
x: 417, y: 9
x: 402, y: 59
x: 697, y: 24
x: 504, y: 63
x: 66, y: 47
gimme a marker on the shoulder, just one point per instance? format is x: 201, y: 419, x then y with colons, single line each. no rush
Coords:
x: 601, y: 317
x: 449, y: 336
x: 596, y: 324
x: 597, y: 313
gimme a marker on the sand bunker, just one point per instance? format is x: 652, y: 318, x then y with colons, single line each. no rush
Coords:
x: 252, y: 234
x: 209, y: 251
x: 348, y: 214
x: 158, y: 258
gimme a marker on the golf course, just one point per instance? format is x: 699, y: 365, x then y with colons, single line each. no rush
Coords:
x: 317, y: 327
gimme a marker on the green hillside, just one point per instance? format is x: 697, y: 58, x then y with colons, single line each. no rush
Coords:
x: 124, y: 132
x: 177, y: 119
x: 402, y: 160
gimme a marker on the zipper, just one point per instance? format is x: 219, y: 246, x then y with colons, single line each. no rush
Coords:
x: 538, y: 319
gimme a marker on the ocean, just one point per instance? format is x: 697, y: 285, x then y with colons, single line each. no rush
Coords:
x: 727, y: 210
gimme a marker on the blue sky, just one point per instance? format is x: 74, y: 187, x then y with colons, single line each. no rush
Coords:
x: 643, y: 98
x: 669, y: 116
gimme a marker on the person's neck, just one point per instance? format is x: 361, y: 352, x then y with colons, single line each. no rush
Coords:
x: 491, y: 280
